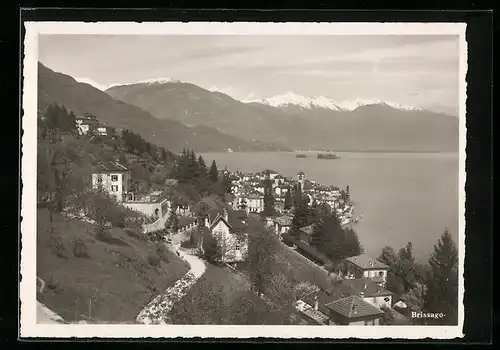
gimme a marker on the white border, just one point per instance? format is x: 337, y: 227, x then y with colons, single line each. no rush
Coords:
x: 29, y: 327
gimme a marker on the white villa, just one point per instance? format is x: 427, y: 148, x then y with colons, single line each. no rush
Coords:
x: 113, y: 178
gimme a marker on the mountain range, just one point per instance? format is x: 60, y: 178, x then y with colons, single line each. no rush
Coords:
x: 297, y: 122
x: 176, y: 114
x: 54, y: 87
x: 293, y: 100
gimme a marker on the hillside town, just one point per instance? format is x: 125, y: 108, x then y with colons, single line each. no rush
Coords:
x: 248, y: 192
x: 242, y: 180
x: 288, y: 242
x: 356, y: 294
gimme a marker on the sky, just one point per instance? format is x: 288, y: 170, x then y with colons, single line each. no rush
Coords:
x: 416, y: 70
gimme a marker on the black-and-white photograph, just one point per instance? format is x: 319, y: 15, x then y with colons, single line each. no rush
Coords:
x: 217, y: 174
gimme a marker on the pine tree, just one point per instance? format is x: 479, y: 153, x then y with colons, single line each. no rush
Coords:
x: 406, y: 253
x: 202, y: 183
x: 57, y: 117
x: 226, y: 184
x: 191, y: 166
x: 202, y: 168
x: 214, y: 173
x: 442, y: 286
x: 393, y: 281
x: 317, y: 235
x: 352, y: 247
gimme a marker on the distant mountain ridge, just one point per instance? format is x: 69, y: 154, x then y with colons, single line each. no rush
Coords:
x: 63, y: 89
x: 293, y: 99
x: 296, y: 121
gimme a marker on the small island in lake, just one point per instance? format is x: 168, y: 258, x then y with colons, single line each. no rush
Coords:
x: 327, y: 156
x: 300, y: 156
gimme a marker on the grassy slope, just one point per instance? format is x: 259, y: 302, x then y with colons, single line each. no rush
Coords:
x: 121, y: 290
x: 301, y: 269
x: 218, y: 297
x: 230, y: 286
x: 217, y: 280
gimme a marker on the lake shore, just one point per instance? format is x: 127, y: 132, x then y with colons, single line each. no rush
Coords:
x: 402, y: 196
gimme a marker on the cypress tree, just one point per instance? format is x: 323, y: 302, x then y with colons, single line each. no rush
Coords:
x: 288, y: 200
x: 268, y: 197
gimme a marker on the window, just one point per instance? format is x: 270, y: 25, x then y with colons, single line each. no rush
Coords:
x: 381, y: 273
x: 114, y: 178
x: 237, y: 246
x: 114, y: 188
x: 99, y: 179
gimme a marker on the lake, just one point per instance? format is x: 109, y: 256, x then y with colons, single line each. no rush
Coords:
x: 403, y: 196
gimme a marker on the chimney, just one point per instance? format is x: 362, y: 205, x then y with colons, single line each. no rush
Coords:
x: 206, y: 222
x: 361, y: 294
x: 225, y: 214
x: 354, y: 308
x: 364, y: 286
x: 316, y: 303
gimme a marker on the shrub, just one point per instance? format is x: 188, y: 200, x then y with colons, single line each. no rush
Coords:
x: 80, y: 249
x: 155, y: 236
x: 162, y: 253
x: 153, y: 259
x: 387, y: 317
x: 103, y: 233
x: 188, y: 243
x: 211, y: 249
x: 51, y: 283
x: 136, y: 234
x: 57, y: 246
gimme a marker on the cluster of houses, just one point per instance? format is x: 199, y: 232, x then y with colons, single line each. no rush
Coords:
x: 356, y: 296
x: 248, y: 194
x: 89, y: 124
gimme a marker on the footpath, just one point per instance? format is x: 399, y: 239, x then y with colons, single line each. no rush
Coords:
x: 156, y: 312
x: 46, y: 316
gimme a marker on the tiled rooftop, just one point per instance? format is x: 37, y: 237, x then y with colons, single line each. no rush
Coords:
x: 366, y: 262
x: 353, y: 307
x: 357, y: 286
x: 308, y: 229
x: 112, y: 167
x: 284, y: 220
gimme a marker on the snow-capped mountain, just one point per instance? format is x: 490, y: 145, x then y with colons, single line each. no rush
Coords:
x: 351, y: 125
x: 152, y: 81
x: 158, y: 81
x: 91, y: 82
x: 292, y: 99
